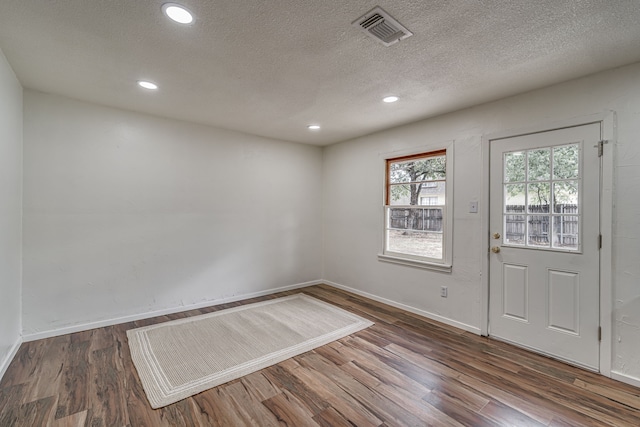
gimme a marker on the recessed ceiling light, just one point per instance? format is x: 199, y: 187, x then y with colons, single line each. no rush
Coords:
x: 177, y: 13
x: 147, y: 85
x: 390, y: 99
x: 313, y: 127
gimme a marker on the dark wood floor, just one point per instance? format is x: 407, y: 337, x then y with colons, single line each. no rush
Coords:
x: 403, y: 371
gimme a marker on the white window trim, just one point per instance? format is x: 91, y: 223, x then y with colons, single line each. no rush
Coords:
x: 446, y: 265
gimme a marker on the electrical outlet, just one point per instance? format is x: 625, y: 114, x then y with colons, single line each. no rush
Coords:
x: 444, y: 291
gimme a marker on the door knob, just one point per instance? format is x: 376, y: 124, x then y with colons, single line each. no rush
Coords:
x: 495, y: 249
x: 496, y: 235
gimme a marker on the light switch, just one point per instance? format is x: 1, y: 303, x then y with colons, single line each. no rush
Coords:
x: 473, y: 207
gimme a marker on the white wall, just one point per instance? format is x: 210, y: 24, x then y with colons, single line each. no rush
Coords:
x: 10, y: 212
x: 353, y: 204
x: 126, y: 214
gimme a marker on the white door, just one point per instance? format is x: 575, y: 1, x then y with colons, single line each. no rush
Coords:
x: 544, y: 225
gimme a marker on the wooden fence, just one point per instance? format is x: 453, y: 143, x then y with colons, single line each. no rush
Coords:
x: 565, y: 227
x: 424, y: 219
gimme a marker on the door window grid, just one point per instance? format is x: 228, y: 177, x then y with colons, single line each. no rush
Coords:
x: 541, y: 198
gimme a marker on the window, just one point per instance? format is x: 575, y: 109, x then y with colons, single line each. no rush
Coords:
x: 416, y: 216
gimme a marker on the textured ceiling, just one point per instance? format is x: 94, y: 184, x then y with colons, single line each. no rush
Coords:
x: 271, y: 67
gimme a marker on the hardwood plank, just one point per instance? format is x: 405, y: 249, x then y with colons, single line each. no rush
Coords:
x: 289, y: 410
x: 107, y: 389
x: 279, y: 376
x: 331, y: 418
x: 424, y: 377
x: 602, y: 409
x: 37, y: 413
x: 259, y: 387
x: 256, y: 413
x: 11, y: 398
x: 384, y: 407
x: 47, y: 375
x: 461, y: 395
x: 342, y: 402
x: 12, y: 395
x: 76, y: 420
x: 73, y: 396
x: 387, y: 378
x: 535, y: 410
x: 624, y: 397
x: 25, y: 363
x: 506, y: 415
x: 217, y: 410
x: 337, y: 353
x: 461, y: 413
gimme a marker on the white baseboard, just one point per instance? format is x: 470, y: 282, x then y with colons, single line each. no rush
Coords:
x: 7, y: 360
x: 625, y: 378
x: 131, y: 318
x: 423, y: 313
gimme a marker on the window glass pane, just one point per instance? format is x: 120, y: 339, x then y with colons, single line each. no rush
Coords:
x: 429, y: 201
x: 565, y: 197
x: 514, y: 229
x: 538, y: 230
x: 514, y: 198
x: 514, y: 169
x: 538, y: 197
x: 404, y: 194
x: 428, y: 169
x: 566, y: 162
x: 434, y: 191
x: 566, y: 231
x: 539, y: 164
x: 399, y: 172
x: 415, y: 243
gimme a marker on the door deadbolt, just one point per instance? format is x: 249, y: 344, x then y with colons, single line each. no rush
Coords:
x: 496, y: 235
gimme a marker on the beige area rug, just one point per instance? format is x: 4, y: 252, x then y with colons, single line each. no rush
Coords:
x: 180, y: 358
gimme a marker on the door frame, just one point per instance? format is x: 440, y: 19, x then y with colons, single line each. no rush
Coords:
x: 607, y: 121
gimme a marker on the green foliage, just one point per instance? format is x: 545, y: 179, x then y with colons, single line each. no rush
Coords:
x: 413, y: 173
x: 565, y: 160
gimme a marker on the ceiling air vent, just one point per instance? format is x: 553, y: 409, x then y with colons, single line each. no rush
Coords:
x: 381, y: 26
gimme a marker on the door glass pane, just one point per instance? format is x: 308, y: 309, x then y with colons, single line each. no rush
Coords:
x: 514, y: 169
x: 566, y: 231
x: 514, y: 229
x: 539, y: 164
x: 538, y: 197
x: 565, y: 197
x: 538, y: 230
x: 566, y: 161
x: 514, y: 198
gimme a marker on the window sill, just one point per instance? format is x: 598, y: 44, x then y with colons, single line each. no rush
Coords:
x: 445, y: 268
